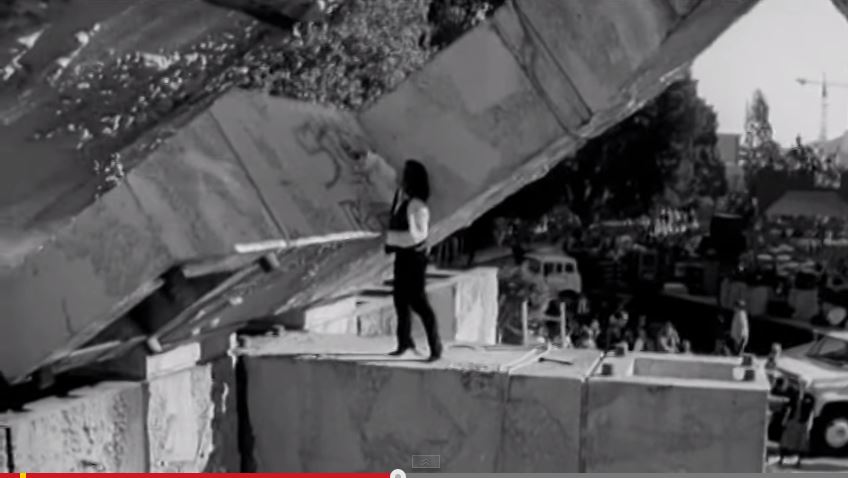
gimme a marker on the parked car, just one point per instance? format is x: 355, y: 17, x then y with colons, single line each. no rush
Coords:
x: 818, y: 370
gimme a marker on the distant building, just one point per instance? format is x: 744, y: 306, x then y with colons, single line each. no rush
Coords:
x: 727, y: 147
x: 799, y: 194
x: 810, y: 203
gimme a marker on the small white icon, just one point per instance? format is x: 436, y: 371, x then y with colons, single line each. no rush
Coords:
x: 397, y: 474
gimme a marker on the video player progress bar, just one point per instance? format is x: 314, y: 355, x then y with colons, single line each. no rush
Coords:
x: 430, y: 474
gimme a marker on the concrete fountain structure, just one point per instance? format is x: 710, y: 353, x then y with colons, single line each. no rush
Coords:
x: 306, y: 402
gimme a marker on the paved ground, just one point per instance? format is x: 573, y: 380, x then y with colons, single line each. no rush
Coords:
x: 812, y: 464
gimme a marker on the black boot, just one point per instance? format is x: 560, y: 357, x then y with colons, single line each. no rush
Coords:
x: 402, y: 350
x: 435, y: 353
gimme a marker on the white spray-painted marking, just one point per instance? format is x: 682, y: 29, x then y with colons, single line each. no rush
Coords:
x: 27, y: 42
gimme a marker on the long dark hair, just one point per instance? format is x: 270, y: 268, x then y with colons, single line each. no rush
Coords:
x: 416, y: 181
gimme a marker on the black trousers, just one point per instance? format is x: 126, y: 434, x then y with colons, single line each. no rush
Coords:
x: 410, y: 296
x: 739, y: 346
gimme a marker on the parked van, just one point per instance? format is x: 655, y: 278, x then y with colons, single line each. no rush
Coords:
x: 558, y: 270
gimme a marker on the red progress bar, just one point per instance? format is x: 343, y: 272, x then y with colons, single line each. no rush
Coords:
x: 202, y: 475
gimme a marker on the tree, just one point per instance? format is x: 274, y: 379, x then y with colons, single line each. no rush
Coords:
x: 759, y: 150
x: 365, y: 49
x: 451, y: 18
x: 668, y: 144
x: 803, y: 157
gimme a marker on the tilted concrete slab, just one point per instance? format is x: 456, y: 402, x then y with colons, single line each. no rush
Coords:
x: 63, y: 295
x: 473, y: 167
x: 84, y: 86
x: 662, y: 413
x: 354, y: 408
x: 206, y: 189
x: 491, y: 113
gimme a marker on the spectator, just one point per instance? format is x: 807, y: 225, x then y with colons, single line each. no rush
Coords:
x: 615, y: 328
x: 739, y: 329
x: 686, y: 347
x: 722, y: 347
x: 585, y: 339
x: 774, y: 355
x: 668, y: 340
x: 642, y: 343
x: 595, y: 329
x: 796, y: 431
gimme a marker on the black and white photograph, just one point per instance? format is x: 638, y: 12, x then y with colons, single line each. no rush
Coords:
x: 405, y: 237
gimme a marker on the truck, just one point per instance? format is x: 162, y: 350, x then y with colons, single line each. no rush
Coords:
x: 559, y: 271
x: 818, y: 370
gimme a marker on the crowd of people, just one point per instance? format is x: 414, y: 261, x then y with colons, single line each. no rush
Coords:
x: 620, y: 332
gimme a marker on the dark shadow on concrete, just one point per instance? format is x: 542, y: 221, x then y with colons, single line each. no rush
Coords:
x: 246, y: 441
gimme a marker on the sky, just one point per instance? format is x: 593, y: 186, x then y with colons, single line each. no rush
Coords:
x: 777, y: 42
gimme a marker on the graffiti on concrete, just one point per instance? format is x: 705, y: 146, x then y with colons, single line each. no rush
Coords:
x: 340, y: 145
x: 368, y: 215
x: 369, y: 177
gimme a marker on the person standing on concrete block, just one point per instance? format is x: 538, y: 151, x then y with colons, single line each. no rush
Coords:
x: 739, y: 328
x: 407, y: 239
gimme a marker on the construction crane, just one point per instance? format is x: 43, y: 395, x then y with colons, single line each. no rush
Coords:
x: 824, y: 84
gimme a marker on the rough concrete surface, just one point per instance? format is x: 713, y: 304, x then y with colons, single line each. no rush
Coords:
x: 198, y: 195
x: 476, y: 115
x: 300, y: 158
x: 355, y: 409
x: 192, y: 420
x: 476, y: 306
x: 96, y: 429
x: 542, y: 420
x: 63, y: 294
x: 656, y: 421
x: 79, y: 84
x: 364, y: 413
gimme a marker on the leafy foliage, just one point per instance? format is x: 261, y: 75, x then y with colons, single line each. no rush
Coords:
x: 759, y: 149
x: 803, y: 157
x: 366, y: 49
x: 669, y: 145
x: 449, y: 19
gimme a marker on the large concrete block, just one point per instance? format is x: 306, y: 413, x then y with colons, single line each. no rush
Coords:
x: 540, y: 66
x: 299, y: 156
x: 465, y: 303
x: 66, y: 293
x: 476, y: 306
x: 5, y: 464
x: 199, y: 196
x: 471, y: 115
x: 192, y: 420
x: 358, y: 410
x: 599, y: 44
x: 95, y: 429
x: 338, y: 317
x: 542, y: 420
x: 668, y: 413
